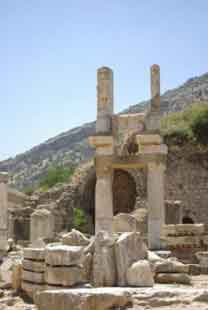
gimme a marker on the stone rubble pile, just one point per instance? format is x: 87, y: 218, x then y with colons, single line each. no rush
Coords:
x: 172, y: 271
x: 106, y: 260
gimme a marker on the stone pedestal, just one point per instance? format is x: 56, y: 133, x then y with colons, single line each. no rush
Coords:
x: 203, y: 261
x: 156, y: 214
x: 3, y: 210
x: 42, y: 225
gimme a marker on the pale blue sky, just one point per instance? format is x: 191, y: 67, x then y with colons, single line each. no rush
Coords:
x: 50, y: 50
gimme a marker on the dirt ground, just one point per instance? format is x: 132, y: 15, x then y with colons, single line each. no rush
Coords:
x: 161, y: 297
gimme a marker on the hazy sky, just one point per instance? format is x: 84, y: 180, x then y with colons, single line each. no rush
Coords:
x: 50, y: 50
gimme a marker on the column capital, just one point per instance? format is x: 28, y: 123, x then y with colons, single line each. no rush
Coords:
x: 4, y: 177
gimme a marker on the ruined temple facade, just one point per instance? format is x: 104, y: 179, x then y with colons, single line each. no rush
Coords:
x: 128, y: 141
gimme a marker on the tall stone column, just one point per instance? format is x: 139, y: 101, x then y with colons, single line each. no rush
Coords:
x: 103, y: 197
x: 156, y: 210
x: 155, y: 88
x: 3, y: 210
x: 104, y: 100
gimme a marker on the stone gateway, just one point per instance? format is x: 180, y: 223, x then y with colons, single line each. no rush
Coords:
x: 128, y: 141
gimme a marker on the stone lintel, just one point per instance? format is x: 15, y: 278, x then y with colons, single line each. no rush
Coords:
x: 138, y: 116
x: 153, y: 149
x: 100, y: 141
x: 138, y: 161
x: 4, y: 177
x: 152, y: 139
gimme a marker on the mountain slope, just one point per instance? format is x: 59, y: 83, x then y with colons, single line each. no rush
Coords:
x: 72, y: 146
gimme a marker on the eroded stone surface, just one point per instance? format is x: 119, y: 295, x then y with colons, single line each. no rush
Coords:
x: 168, y: 278
x: 35, y: 266
x: 34, y: 254
x: 104, y: 266
x: 83, y: 299
x: 140, y: 274
x: 33, y: 277
x: 171, y: 266
x: 75, y: 238
x: 129, y: 248
x: 64, y: 276
x: 63, y: 255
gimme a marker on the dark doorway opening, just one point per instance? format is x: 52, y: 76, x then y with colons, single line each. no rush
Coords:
x: 187, y: 220
x: 124, y: 193
x: 21, y: 229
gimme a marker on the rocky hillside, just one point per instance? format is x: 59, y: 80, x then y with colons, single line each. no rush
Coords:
x: 72, y: 146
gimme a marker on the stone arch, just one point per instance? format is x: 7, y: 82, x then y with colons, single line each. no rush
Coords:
x: 124, y: 192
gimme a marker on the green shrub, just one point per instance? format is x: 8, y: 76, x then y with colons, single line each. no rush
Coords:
x: 58, y: 174
x: 199, y: 126
x: 79, y: 220
x: 178, y: 136
x: 185, y: 126
x: 29, y: 191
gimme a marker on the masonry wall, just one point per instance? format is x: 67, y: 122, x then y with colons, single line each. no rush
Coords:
x: 187, y: 180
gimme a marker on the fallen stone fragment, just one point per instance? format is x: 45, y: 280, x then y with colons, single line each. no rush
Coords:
x: 83, y: 299
x: 171, y: 278
x: 75, y: 238
x: 129, y: 248
x: 35, y: 266
x: 153, y: 257
x: 31, y: 288
x: 171, y: 266
x: 64, y: 276
x: 16, y: 276
x: 140, y: 274
x: 33, y: 277
x: 6, y: 272
x: 63, y: 255
x: 104, y: 268
x: 194, y: 269
x: 34, y: 254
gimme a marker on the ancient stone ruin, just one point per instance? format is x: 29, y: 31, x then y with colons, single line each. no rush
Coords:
x: 129, y: 141
x: 125, y: 256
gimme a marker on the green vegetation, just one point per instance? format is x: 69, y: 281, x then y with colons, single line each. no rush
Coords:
x: 29, y: 191
x: 79, y: 219
x: 190, y: 125
x: 58, y: 174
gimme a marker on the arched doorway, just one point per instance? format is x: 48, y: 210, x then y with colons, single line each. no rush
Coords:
x: 124, y: 193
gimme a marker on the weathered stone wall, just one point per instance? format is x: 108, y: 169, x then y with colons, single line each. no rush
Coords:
x: 187, y: 180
